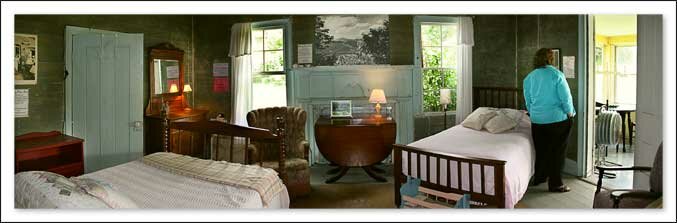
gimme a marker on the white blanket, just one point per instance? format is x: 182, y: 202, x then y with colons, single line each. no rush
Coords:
x: 514, y: 146
x: 150, y: 187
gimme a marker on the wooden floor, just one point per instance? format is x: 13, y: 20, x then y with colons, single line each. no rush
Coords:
x: 357, y: 190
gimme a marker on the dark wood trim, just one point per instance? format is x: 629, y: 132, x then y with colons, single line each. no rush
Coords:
x: 208, y: 128
x: 495, y: 200
x: 499, y: 97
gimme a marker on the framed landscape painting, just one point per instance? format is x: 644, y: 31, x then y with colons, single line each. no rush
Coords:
x: 352, y: 40
x: 25, y: 59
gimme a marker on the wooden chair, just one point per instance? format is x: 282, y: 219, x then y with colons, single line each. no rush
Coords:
x: 295, y: 159
x: 631, y: 198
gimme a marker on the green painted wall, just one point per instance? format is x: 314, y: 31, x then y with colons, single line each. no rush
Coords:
x: 46, y: 106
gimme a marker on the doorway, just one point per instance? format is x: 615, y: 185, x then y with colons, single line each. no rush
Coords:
x: 614, y: 54
x: 104, y: 95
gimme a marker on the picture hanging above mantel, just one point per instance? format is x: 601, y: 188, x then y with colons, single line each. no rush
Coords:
x: 352, y: 40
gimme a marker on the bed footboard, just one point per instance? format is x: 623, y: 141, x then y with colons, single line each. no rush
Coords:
x: 444, y: 181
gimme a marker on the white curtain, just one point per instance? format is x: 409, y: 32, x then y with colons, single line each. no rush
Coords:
x: 240, y: 54
x: 464, y: 72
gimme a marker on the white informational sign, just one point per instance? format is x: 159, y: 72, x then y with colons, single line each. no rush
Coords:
x: 569, y: 63
x: 305, y: 53
x: 172, y: 72
x: 20, y: 103
x: 220, y: 69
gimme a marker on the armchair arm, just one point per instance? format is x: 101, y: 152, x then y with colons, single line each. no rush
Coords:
x: 602, y: 169
x: 618, y: 195
x: 622, y: 168
x: 306, y: 150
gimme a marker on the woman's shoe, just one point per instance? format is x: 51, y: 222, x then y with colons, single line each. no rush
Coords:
x: 561, y: 189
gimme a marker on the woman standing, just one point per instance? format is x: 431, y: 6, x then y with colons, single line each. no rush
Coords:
x: 548, y: 100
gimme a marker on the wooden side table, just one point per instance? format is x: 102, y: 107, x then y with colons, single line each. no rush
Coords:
x: 49, y: 151
x: 362, y: 141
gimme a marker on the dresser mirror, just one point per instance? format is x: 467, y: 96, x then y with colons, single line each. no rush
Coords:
x: 166, y: 80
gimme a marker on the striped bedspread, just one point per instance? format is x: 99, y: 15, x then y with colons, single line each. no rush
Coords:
x: 263, y: 180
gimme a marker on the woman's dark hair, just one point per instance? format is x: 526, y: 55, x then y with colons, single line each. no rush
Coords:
x: 543, y: 57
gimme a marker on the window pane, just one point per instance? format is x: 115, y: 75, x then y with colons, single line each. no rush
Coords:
x: 449, y: 35
x: 449, y: 57
x: 626, y: 89
x: 274, y: 61
x: 431, y: 35
x: 257, y: 40
x: 273, y: 39
x: 626, y: 60
x: 269, y: 91
x: 431, y: 57
x: 257, y: 61
x: 599, y: 62
x: 433, y: 81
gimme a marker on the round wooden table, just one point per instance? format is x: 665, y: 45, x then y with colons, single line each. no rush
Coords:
x: 361, y: 141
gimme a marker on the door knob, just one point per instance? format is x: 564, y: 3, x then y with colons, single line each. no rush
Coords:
x: 137, y: 125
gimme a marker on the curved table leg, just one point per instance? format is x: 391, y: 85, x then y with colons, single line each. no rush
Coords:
x: 369, y: 169
x: 376, y: 169
x: 333, y: 179
x: 335, y: 170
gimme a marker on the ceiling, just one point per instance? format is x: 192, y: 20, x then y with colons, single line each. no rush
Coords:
x: 615, y: 25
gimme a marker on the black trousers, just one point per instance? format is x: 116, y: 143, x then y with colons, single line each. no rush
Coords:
x: 551, y: 142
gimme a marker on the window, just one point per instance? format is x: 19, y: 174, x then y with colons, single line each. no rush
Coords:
x: 269, y: 84
x: 626, y: 74
x: 600, y: 76
x: 438, y: 54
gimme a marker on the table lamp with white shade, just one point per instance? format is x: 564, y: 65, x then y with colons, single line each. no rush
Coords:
x: 186, y: 88
x: 173, y: 88
x: 377, y: 96
x: 445, y: 99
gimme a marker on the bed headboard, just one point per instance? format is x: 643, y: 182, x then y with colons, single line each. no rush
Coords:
x: 498, y: 97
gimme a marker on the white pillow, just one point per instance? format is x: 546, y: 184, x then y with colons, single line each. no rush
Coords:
x: 500, y: 123
x: 479, y: 117
x: 514, y: 114
x: 504, y: 120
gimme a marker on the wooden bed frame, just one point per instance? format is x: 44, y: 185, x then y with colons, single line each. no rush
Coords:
x: 482, y: 97
x: 206, y: 129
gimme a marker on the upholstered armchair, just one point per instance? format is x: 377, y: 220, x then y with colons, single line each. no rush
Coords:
x: 632, y: 198
x: 297, y: 164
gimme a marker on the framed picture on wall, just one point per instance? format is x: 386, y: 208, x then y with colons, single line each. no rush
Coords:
x: 25, y: 59
x: 341, y: 109
x: 557, y: 58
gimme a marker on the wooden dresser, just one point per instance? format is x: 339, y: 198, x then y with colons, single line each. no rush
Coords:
x: 190, y: 144
x: 49, y: 151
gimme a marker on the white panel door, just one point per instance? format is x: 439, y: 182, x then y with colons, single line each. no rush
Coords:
x: 107, y: 103
x: 649, y: 94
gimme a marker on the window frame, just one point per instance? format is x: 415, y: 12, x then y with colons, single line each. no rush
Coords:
x: 617, y: 74
x: 418, y: 59
x: 287, y: 52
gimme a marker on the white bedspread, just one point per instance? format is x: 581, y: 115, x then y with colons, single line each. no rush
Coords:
x: 514, y: 146
x: 150, y: 187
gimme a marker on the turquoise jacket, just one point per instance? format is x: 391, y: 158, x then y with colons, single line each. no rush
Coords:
x: 547, y: 96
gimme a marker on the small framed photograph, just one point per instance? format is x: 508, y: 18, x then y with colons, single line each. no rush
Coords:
x: 25, y: 59
x: 341, y: 108
x: 557, y: 58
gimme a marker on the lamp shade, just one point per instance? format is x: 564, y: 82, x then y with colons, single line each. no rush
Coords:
x: 377, y: 96
x: 445, y: 96
x: 173, y: 88
x: 186, y: 88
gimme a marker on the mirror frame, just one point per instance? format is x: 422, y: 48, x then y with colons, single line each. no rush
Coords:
x: 169, y: 52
